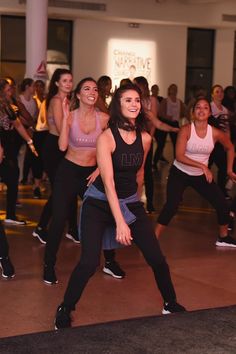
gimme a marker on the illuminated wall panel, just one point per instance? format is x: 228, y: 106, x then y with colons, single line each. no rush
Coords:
x: 131, y: 58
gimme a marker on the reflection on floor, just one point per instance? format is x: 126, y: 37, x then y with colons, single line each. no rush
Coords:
x: 204, y: 276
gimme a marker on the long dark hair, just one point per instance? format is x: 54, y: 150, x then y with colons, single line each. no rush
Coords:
x: 102, y: 82
x: 75, y: 101
x: 5, y: 106
x: 26, y: 82
x: 53, y: 88
x: 116, y: 117
x: 142, y: 82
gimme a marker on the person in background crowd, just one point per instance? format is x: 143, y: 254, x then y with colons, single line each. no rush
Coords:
x: 219, y: 119
x: 6, y: 265
x: 159, y: 135
x: 229, y: 101
x: 60, y: 87
x: 104, y: 93
x: 150, y: 105
x: 31, y: 162
x: 172, y: 110
x: 41, y: 132
x: 9, y: 167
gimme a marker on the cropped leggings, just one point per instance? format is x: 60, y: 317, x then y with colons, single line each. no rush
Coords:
x: 70, y: 181
x: 178, y: 181
x: 96, y: 216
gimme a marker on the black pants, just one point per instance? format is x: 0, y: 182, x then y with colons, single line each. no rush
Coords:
x: 161, y: 136
x: 9, y: 171
x: 96, y: 215
x: 51, y: 156
x: 178, y: 181
x: 70, y: 181
x: 35, y: 162
x: 4, y: 248
x: 219, y: 158
x: 148, y: 179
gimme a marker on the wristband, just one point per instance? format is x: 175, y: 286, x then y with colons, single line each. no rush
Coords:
x: 30, y: 142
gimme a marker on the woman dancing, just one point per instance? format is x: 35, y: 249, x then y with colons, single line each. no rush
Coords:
x: 114, y: 200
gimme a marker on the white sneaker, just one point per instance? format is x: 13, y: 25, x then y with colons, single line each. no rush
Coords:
x: 73, y: 238
x: 15, y: 222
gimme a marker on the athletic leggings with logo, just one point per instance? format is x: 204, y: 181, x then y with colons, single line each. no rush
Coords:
x: 96, y: 216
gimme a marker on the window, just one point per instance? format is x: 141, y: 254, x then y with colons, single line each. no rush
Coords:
x: 200, y: 51
x: 13, y: 50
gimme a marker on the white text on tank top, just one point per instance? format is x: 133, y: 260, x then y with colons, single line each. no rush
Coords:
x: 197, y: 149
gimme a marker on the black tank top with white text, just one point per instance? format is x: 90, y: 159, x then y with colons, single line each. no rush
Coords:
x: 127, y: 160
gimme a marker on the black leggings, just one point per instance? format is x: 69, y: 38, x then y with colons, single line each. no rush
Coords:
x: 96, y: 216
x: 70, y: 181
x: 161, y: 136
x: 219, y: 158
x: 9, y: 171
x: 178, y: 181
x: 51, y: 156
x: 35, y: 162
x: 4, y: 248
x: 148, y: 179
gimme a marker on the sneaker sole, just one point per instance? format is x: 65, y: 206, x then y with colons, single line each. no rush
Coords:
x: 72, y: 238
x: 109, y: 272
x: 7, y: 276
x: 40, y: 239
x: 224, y: 244
x: 165, y: 312
x: 8, y: 222
x: 49, y: 282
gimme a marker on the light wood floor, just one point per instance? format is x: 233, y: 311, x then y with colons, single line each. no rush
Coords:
x: 204, y: 276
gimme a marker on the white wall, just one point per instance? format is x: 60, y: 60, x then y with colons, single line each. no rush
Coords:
x: 224, y: 57
x: 90, y: 49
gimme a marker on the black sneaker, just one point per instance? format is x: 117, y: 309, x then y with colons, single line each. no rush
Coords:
x: 113, y: 269
x: 8, y: 270
x: 227, y: 241
x: 73, y: 236
x: 41, y: 234
x: 37, y: 193
x: 49, y: 275
x: 62, y: 319
x: 15, y: 221
x: 172, y: 307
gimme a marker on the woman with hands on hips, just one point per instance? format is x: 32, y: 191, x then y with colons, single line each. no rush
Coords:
x: 194, y: 145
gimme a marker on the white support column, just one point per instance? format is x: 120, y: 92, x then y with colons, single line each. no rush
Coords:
x: 36, y: 38
x: 224, y: 57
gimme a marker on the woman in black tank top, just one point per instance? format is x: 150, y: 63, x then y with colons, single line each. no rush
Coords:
x: 113, y: 200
